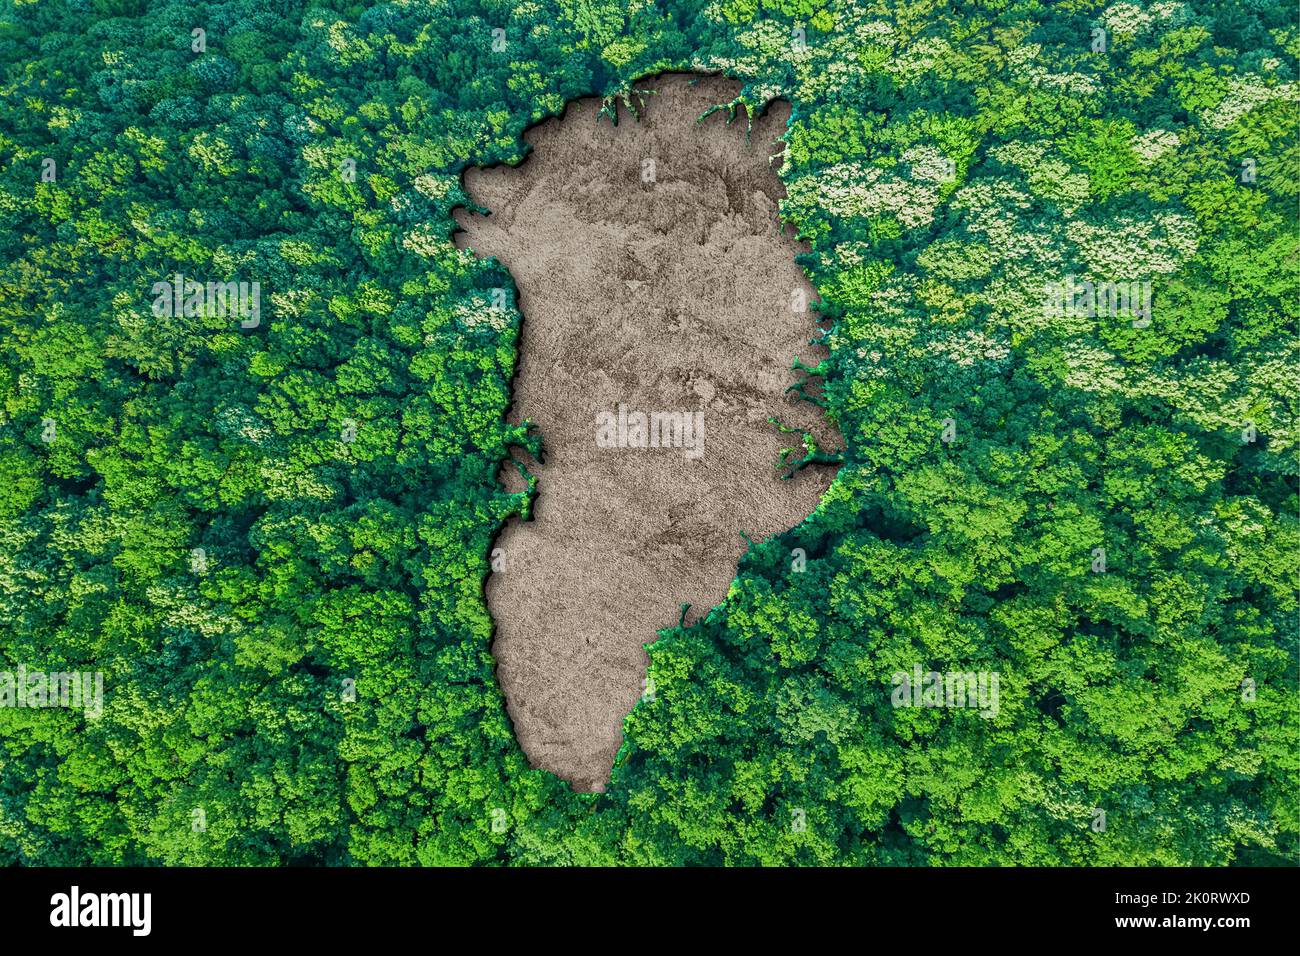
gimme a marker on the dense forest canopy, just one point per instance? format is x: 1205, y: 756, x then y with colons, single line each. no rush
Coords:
x: 271, y: 536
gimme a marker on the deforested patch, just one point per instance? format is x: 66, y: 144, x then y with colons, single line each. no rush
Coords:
x: 663, y: 308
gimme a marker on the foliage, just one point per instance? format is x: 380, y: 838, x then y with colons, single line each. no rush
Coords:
x: 945, y: 161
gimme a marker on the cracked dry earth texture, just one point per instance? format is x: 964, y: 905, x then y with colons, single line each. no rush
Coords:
x: 670, y: 292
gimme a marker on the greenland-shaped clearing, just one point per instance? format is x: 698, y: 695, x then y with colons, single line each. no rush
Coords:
x: 653, y: 274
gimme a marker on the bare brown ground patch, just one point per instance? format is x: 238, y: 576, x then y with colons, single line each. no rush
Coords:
x: 671, y: 295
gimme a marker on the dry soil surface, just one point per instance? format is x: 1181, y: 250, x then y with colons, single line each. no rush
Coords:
x: 666, y: 286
